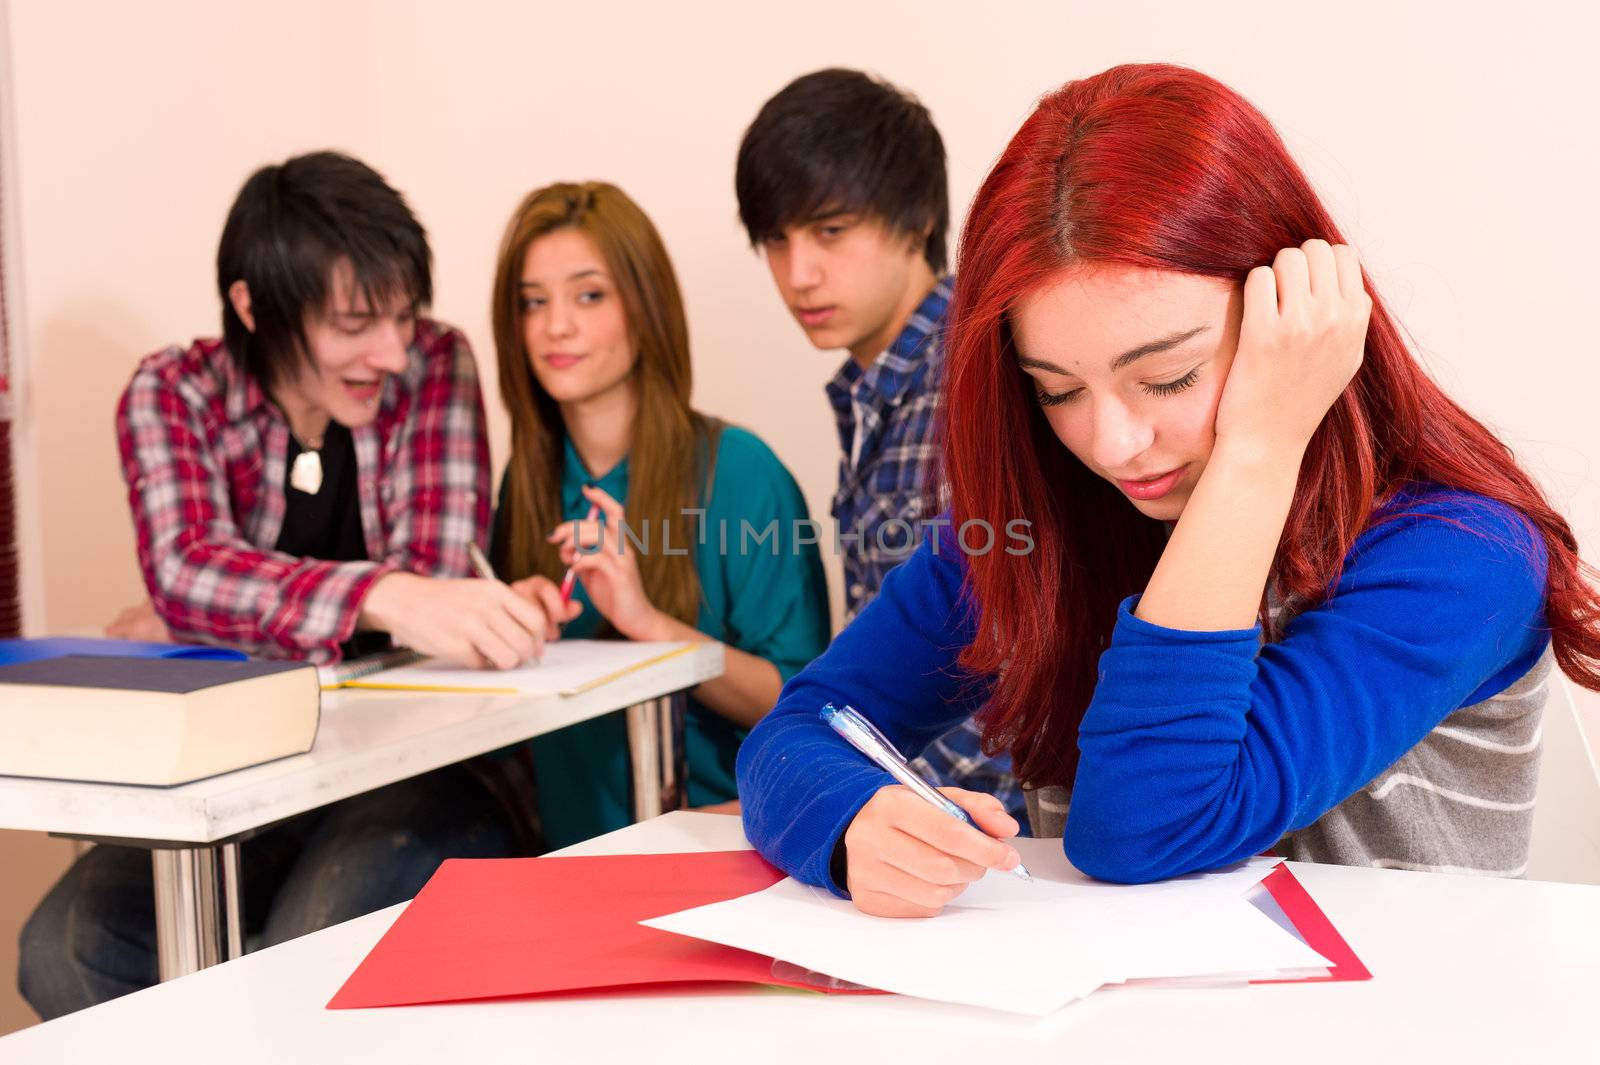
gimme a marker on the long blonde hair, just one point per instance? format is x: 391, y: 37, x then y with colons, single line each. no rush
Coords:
x: 670, y: 439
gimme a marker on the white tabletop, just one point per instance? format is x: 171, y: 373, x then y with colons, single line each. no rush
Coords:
x: 1465, y: 970
x: 366, y: 739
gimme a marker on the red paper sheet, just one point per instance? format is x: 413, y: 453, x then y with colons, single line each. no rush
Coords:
x: 500, y: 928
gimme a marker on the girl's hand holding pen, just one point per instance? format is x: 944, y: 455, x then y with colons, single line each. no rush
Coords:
x: 907, y: 858
x: 605, y: 561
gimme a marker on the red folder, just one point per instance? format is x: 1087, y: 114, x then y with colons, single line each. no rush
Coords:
x: 1314, y: 927
x: 493, y: 928
x: 499, y: 928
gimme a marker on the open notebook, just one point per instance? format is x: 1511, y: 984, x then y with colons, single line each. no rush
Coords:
x: 568, y: 668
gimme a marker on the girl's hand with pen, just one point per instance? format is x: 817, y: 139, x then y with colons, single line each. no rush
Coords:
x: 907, y: 858
x: 607, y: 565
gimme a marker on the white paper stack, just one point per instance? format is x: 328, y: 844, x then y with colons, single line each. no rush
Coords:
x: 1022, y: 947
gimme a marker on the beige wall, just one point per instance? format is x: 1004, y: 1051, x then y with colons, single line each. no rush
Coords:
x: 1445, y: 146
x: 1458, y: 153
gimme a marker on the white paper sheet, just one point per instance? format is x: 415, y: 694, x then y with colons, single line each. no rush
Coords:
x: 1010, y: 945
x: 568, y: 667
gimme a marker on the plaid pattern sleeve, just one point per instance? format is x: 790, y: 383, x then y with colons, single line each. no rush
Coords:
x: 957, y: 759
x: 436, y: 495
x: 203, y: 454
x: 889, y: 485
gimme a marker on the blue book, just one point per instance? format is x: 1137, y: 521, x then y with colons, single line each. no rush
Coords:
x: 13, y: 651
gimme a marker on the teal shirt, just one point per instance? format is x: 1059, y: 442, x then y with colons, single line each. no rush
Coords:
x: 768, y: 598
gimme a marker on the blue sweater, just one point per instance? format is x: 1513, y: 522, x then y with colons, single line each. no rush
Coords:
x: 1198, y: 749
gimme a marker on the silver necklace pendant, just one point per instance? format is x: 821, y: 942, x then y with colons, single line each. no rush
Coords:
x: 306, y: 473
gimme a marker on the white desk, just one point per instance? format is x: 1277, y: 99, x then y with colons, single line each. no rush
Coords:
x: 1465, y: 970
x: 366, y: 739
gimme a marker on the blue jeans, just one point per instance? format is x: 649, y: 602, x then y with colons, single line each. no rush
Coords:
x: 93, y: 937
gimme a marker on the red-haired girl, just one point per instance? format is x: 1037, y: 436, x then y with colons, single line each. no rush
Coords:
x: 1278, y: 590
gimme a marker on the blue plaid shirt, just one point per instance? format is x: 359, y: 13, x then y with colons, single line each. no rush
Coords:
x: 888, y: 483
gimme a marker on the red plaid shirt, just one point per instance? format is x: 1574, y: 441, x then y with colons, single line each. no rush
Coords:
x: 204, y: 453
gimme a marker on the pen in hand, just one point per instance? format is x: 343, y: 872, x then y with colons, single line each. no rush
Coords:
x: 571, y: 576
x: 864, y: 736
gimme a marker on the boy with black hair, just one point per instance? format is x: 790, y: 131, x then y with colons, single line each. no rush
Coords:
x: 309, y: 482
x: 841, y: 185
x: 328, y: 455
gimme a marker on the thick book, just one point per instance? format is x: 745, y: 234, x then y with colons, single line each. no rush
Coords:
x: 159, y: 721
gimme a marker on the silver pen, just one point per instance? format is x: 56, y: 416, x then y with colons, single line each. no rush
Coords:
x: 864, y: 736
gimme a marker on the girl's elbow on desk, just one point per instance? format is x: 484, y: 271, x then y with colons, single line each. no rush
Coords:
x: 1114, y: 863
x: 1098, y: 848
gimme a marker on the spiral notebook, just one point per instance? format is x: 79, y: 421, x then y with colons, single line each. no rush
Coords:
x: 342, y: 674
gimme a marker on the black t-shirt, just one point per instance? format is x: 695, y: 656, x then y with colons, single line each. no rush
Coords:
x: 327, y: 525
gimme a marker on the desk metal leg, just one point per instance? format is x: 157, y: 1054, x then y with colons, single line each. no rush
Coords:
x: 655, y: 748
x: 197, y: 907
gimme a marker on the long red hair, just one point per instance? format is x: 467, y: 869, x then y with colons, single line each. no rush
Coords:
x: 1161, y: 167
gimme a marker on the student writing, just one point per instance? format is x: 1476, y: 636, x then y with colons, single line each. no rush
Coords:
x: 1283, y: 592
